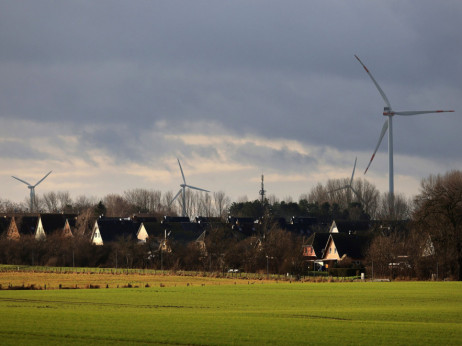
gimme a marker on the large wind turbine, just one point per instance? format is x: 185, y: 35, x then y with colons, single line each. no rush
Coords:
x: 32, y: 190
x: 183, y: 191
x: 388, y: 125
x: 350, y: 185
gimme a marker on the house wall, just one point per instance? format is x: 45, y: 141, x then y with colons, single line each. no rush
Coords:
x: 308, y: 251
x: 333, y: 228
x: 40, y: 232
x: 13, y: 232
x: 96, y: 237
x: 331, y: 251
x: 142, y: 234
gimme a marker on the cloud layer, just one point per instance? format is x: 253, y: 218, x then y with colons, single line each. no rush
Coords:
x: 108, y: 94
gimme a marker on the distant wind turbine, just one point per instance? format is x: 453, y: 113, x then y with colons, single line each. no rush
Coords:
x: 183, y: 191
x: 389, y: 112
x: 350, y: 185
x: 32, y: 190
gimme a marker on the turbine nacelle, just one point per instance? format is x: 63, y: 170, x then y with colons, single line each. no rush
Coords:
x: 388, y: 111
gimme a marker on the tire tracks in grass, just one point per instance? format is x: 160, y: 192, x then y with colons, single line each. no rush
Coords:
x: 91, y: 339
x: 64, y: 302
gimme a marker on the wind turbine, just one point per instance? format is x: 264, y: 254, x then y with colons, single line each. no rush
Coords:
x: 388, y: 125
x: 350, y: 184
x: 183, y: 191
x: 32, y: 190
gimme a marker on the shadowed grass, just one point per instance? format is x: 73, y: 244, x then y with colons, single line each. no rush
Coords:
x: 399, y: 313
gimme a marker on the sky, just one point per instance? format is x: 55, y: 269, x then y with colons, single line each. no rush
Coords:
x: 108, y: 94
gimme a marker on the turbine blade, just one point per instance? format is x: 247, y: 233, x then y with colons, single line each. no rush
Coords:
x: 181, y: 169
x: 22, y: 181
x: 357, y: 195
x: 42, y: 179
x: 420, y: 112
x: 353, y: 174
x: 196, y: 188
x: 376, y: 84
x: 384, y: 130
x: 173, y: 200
x: 340, y: 188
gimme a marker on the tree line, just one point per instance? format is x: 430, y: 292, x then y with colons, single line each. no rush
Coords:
x: 434, y: 218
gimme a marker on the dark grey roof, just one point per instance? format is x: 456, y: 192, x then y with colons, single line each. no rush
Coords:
x: 4, y: 224
x: 27, y: 225
x: 318, y: 241
x: 175, y: 219
x: 350, y: 227
x: 56, y: 222
x: 113, y: 229
x: 352, y: 245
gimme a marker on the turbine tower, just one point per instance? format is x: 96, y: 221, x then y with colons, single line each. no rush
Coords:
x: 183, y: 191
x: 32, y: 190
x: 388, y: 125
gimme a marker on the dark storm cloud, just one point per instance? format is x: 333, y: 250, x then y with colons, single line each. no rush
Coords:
x: 110, y: 72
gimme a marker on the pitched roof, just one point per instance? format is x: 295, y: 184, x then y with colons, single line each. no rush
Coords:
x: 55, y: 222
x: 352, y: 245
x: 319, y: 242
x: 184, y: 232
x: 175, y: 219
x: 4, y: 225
x: 113, y: 229
x: 155, y: 229
x: 27, y: 225
x: 350, y: 227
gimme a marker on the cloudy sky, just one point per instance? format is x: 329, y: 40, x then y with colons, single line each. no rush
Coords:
x: 108, y: 94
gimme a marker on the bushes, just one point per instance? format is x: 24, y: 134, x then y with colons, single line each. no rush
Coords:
x: 344, y: 272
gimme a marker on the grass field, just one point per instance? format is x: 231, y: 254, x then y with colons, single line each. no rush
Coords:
x: 399, y: 313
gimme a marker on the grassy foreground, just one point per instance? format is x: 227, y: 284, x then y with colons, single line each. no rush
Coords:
x: 399, y: 313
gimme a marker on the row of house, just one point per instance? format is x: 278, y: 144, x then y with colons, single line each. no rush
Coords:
x: 38, y: 226
x: 324, y: 244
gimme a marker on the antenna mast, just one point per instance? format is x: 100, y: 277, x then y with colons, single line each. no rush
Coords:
x: 262, y: 191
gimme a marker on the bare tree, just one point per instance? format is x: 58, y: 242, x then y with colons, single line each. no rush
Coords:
x: 145, y: 201
x: 83, y: 202
x: 167, y: 203
x: 221, y: 203
x: 205, y: 205
x: 400, y: 210
x: 64, y: 201
x: 51, y: 201
x: 116, y: 205
x: 438, y: 213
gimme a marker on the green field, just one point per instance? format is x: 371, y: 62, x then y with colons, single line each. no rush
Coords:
x: 399, y: 313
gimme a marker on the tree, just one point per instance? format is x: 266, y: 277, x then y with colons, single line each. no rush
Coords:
x: 400, y: 210
x: 117, y: 206
x: 438, y: 214
x: 144, y: 201
x: 221, y: 203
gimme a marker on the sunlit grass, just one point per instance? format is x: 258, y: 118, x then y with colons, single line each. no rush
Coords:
x: 399, y: 313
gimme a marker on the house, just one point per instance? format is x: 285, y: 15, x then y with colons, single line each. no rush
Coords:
x: 30, y: 225
x: 107, y: 230
x: 244, y: 225
x: 341, y: 246
x: 150, y: 231
x: 313, y: 249
x: 349, y: 227
x: 302, y: 225
x: 58, y: 224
